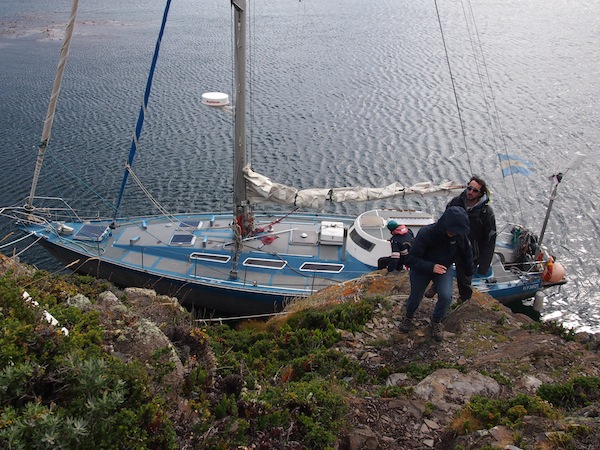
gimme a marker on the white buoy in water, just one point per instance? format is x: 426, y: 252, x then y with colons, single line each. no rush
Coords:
x: 215, y: 99
x: 538, y: 301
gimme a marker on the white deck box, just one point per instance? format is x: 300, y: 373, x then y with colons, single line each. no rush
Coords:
x: 332, y: 233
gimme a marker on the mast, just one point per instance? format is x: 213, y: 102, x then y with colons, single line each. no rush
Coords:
x: 241, y: 210
x: 49, y: 120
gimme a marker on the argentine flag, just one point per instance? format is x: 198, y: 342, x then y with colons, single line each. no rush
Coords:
x: 511, y: 164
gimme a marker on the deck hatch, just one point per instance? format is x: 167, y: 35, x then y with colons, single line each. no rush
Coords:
x: 304, y: 237
x: 321, y: 267
x: 265, y: 263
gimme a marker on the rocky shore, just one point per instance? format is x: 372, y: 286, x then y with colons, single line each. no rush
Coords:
x: 488, y: 351
x: 485, y: 338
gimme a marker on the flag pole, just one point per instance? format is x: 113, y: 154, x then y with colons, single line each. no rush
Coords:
x: 557, y: 178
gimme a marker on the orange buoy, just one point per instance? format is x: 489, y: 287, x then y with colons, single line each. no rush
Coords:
x: 558, y: 272
x: 554, y: 271
x: 548, y: 270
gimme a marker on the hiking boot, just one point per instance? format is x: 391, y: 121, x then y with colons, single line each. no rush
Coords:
x: 437, y: 331
x: 429, y: 293
x: 405, y: 325
x: 460, y: 301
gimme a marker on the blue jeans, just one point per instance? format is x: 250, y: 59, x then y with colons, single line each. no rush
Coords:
x: 418, y: 284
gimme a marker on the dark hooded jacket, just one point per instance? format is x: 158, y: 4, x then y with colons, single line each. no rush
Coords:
x: 432, y: 246
x: 482, y: 235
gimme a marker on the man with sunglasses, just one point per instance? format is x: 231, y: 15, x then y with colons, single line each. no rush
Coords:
x: 482, y: 223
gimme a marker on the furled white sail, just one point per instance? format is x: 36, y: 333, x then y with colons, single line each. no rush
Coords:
x: 260, y: 189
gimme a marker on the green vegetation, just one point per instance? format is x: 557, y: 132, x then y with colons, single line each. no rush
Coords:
x: 219, y: 387
x: 70, y: 391
x: 575, y: 393
x: 483, y: 412
x: 550, y: 403
x: 63, y: 391
x: 290, y: 371
x: 552, y: 327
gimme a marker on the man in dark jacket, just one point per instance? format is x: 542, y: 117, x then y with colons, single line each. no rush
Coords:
x: 435, y: 248
x: 482, y: 224
x: 482, y: 235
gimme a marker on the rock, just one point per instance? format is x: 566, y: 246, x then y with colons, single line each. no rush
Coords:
x: 432, y: 424
x: 13, y: 264
x: 530, y: 383
x: 395, y: 379
x: 362, y: 439
x: 79, y: 301
x: 449, y: 389
x: 108, y: 300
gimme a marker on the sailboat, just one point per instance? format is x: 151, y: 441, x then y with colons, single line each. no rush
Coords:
x: 243, y: 262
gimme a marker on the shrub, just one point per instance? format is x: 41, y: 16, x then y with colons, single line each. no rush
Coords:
x: 575, y: 393
x: 60, y: 391
x: 484, y: 412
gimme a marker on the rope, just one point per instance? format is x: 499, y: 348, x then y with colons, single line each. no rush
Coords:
x: 276, y: 221
x: 255, y: 316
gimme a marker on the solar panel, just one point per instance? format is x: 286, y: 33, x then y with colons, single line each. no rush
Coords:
x: 190, y: 223
x: 94, y: 233
x: 183, y: 239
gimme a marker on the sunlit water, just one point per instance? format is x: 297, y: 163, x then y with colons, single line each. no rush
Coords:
x: 343, y: 93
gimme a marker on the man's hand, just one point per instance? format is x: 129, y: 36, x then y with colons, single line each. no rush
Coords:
x: 439, y: 269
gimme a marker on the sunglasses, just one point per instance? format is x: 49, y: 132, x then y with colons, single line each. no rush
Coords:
x: 469, y: 188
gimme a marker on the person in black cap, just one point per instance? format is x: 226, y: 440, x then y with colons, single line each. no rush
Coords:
x: 435, y: 248
x: 400, y: 241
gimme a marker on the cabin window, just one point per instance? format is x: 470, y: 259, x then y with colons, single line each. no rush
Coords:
x: 265, y: 263
x: 210, y: 257
x: 321, y: 267
x: 361, y: 241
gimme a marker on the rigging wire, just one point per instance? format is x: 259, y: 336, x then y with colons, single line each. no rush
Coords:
x: 460, y: 119
x: 155, y: 202
x: 79, y: 179
x: 29, y: 246
x: 11, y: 243
x: 491, y: 105
x: 484, y: 78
